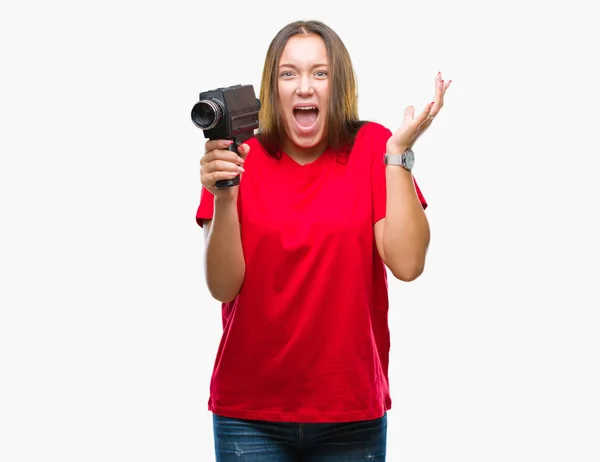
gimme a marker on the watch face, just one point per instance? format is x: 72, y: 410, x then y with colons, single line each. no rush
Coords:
x: 409, y: 159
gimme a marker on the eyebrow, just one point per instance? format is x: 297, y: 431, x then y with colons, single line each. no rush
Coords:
x: 293, y: 66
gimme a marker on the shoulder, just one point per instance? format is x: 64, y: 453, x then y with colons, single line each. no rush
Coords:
x: 371, y: 139
x: 373, y: 131
x: 254, y: 145
x: 257, y: 150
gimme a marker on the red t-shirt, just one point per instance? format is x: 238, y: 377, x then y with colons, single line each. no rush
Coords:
x: 306, y: 339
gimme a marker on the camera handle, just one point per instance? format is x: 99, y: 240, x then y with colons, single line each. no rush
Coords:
x: 237, y: 141
x: 233, y: 181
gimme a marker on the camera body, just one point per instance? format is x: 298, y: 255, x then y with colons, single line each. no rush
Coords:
x: 227, y: 113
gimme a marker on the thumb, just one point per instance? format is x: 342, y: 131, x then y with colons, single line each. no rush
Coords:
x: 243, y: 150
x: 409, y: 113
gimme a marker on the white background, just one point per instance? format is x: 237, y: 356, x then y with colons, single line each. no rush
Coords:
x: 107, y: 332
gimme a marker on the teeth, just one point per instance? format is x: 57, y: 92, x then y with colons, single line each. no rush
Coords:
x: 306, y: 108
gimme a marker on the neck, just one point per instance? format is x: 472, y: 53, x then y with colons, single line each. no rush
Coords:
x: 304, y: 155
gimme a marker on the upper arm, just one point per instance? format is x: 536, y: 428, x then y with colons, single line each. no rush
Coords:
x: 378, y: 231
x: 380, y: 136
x: 204, y: 213
x: 206, y: 227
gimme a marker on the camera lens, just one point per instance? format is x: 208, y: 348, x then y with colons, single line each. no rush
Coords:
x: 207, y: 114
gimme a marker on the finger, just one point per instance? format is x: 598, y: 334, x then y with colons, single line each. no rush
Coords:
x: 409, y: 113
x: 222, y: 154
x: 211, y: 145
x: 219, y: 165
x: 212, y: 178
x: 425, y: 117
x: 444, y: 87
x: 438, y: 87
x: 438, y: 98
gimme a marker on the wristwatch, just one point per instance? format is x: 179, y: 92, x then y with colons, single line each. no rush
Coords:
x: 406, y: 159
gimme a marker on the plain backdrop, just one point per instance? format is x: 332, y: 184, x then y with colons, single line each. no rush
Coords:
x: 107, y: 332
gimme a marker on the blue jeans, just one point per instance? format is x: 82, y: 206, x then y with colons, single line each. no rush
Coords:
x: 243, y: 440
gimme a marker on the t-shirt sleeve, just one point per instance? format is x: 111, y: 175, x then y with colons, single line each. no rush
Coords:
x: 378, y: 179
x: 206, y: 208
x: 207, y: 205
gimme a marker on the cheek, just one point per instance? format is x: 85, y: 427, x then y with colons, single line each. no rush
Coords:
x: 324, y: 92
x: 285, y: 95
x: 324, y: 97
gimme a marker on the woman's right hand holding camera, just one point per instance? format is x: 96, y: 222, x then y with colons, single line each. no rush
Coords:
x: 218, y: 163
x: 225, y: 265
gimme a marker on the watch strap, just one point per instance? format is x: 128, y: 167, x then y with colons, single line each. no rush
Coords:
x: 394, y: 159
x: 405, y: 160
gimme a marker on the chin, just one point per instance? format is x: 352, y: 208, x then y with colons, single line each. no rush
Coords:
x: 308, y: 142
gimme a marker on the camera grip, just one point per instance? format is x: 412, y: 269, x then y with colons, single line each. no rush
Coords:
x: 233, y: 181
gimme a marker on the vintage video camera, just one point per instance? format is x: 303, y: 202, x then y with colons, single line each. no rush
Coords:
x: 228, y: 113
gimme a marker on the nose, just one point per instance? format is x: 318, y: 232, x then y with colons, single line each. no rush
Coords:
x: 304, y: 87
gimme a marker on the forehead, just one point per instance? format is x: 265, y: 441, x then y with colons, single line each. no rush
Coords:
x: 304, y: 50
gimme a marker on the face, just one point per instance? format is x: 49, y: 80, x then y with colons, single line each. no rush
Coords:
x: 303, y: 84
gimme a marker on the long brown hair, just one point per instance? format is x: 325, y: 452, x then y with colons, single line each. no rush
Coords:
x: 342, y: 115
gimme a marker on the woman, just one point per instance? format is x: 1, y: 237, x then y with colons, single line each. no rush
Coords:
x: 297, y: 254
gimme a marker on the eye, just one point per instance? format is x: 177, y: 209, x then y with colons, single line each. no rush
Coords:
x: 285, y: 74
x: 321, y: 73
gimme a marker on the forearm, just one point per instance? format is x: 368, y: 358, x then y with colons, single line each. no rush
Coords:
x: 224, y: 257
x: 406, y: 230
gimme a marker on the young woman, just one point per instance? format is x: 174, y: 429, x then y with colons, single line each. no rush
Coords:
x: 297, y: 254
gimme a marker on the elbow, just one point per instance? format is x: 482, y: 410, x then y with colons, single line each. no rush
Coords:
x: 224, y: 299
x: 408, y: 271
x: 221, y: 295
x: 224, y: 289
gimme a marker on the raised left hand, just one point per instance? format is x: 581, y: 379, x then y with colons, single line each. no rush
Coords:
x: 412, y: 128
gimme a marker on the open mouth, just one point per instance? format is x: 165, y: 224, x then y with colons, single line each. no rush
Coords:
x: 306, y: 116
